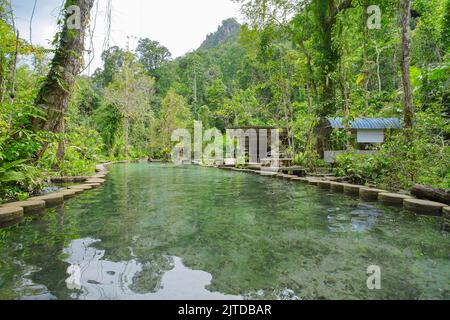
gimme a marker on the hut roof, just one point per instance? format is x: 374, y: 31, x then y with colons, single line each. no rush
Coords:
x: 252, y: 127
x: 365, y: 123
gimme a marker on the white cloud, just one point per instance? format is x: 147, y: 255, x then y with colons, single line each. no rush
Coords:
x: 180, y: 25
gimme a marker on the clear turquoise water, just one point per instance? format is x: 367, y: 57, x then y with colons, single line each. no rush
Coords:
x: 165, y: 232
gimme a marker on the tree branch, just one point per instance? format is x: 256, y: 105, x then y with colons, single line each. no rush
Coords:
x: 346, y: 4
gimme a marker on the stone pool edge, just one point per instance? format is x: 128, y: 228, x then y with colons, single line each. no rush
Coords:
x: 12, y: 213
x: 408, y: 202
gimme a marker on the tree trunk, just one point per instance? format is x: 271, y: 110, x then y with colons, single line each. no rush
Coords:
x: 309, y: 99
x: 394, y: 67
x: 366, y: 61
x: 12, y: 89
x: 61, y: 144
x: 327, y: 12
x: 344, y: 89
x: 380, y: 87
x: 56, y: 90
x: 408, y: 106
x: 126, y: 134
x: 310, y: 67
x: 423, y: 192
x: 330, y: 61
x: 2, y: 76
x: 287, y: 102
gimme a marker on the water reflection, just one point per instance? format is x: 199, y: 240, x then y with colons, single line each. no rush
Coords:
x: 252, y: 237
x: 94, y: 278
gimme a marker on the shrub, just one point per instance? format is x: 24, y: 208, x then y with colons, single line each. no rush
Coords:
x: 361, y: 168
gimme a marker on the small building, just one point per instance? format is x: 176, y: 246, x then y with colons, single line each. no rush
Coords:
x: 367, y: 133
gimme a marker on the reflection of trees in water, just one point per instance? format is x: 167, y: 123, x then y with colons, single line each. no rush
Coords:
x: 36, y: 245
x: 148, y: 280
x: 103, y: 279
x: 161, y: 277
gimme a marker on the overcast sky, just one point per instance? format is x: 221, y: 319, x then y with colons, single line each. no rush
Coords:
x: 180, y: 25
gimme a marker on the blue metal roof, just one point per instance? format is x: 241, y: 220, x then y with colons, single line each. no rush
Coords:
x: 367, y: 123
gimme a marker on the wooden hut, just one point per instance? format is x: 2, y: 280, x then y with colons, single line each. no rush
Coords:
x: 367, y: 133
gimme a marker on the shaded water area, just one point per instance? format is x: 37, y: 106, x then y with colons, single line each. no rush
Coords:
x: 165, y: 232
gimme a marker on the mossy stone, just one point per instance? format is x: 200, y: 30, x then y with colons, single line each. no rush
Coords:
x: 94, y: 185
x: 370, y: 194
x: 10, y: 213
x: 80, y: 187
x: 337, y: 186
x: 313, y: 182
x: 326, y: 185
x: 53, y: 199
x: 67, y: 194
x: 29, y: 206
x: 393, y: 198
x: 352, y: 189
x: 424, y: 207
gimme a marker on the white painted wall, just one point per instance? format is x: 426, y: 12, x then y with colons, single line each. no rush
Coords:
x: 370, y: 136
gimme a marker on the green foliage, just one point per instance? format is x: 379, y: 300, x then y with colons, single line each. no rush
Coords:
x: 108, y: 120
x: 113, y: 60
x: 429, y: 45
x: 83, y: 150
x: 152, y: 55
x: 130, y: 94
x: 85, y: 99
x: 363, y: 169
x: 309, y: 159
x: 434, y: 90
x: 341, y: 140
x: 17, y: 147
x: 175, y: 114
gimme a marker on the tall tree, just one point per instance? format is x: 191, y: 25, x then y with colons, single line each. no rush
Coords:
x: 408, y: 105
x: 113, y: 60
x: 366, y: 58
x: 8, y: 46
x: 175, y: 114
x: 152, y: 55
x: 130, y: 93
x: 55, y: 92
x: 326, y: 13
x: 446, y: 28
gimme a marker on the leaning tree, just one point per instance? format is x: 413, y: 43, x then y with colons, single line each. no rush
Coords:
x: 55, y: 92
